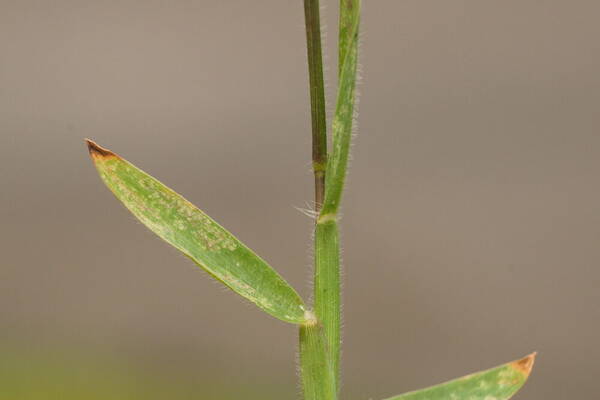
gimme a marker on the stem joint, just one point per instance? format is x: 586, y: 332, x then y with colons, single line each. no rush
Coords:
x: 326, y: 218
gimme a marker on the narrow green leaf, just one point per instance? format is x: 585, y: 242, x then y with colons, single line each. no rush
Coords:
x: 349, y: 10
x: 499, y: 383
x: 341, y: 129
x: 196, y: 235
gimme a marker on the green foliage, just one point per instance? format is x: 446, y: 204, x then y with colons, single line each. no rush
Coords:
x: 337, y: 162
x: 195, y: 234
x: 499, y: 383
x: 191, y: 231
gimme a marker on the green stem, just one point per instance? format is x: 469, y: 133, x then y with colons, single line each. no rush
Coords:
x: 320, y: 342
x: 318, y: 382
x: 317, y: 97
x: 327, y: 287
x: 317, y: 371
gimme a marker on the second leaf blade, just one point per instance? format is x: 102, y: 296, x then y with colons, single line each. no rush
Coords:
x: 499, y: 383
x: 181, y: 224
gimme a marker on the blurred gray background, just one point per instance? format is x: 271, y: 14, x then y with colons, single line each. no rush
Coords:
x: 471, y: 219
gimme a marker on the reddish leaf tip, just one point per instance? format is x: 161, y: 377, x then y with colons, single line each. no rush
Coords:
x: 525, y: 365
x: 97, y: 151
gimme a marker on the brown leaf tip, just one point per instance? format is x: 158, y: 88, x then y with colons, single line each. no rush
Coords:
x: 97, y: 151
x: 525, y: 365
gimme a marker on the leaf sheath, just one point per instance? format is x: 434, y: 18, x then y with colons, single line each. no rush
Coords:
x: 327, y: 287
x: 318, y: 380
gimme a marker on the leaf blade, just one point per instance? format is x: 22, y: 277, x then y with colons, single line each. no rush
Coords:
x: 195, y: 234
x: 343, y: 119
x: 499, y: 383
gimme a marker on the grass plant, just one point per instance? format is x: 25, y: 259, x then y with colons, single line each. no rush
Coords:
x: 228, y: 260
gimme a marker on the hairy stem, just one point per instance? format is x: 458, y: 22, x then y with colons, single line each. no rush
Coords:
x: 318, y: 382
x: 318, y: 373
x: 328, y: 193
x: 327, y: 287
